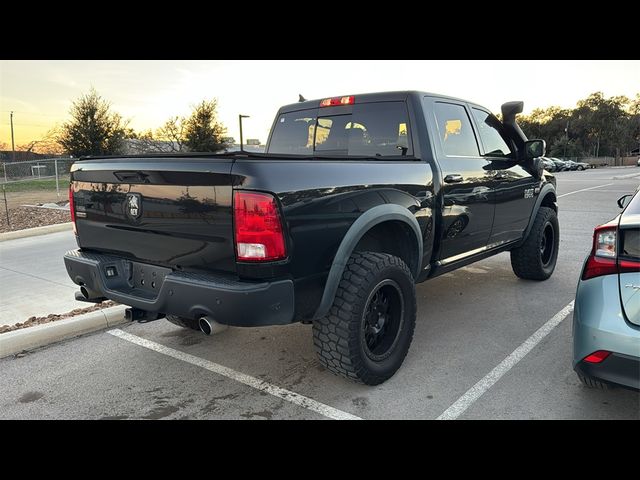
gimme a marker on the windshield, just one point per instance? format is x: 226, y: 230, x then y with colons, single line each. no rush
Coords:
x: 372, y: 129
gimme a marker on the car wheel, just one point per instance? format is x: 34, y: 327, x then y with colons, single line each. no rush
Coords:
x: 369, y: 328
x: 183, y: 322
x: 581, y: 168
x: 536, y: 258
x: 591, y: 382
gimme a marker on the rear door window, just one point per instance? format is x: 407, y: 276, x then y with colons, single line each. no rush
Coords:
x: 455, y: 131
x: 372, y: 129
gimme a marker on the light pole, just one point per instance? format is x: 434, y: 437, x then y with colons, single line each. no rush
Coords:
x: 240, y: 117
x: 13, y: 147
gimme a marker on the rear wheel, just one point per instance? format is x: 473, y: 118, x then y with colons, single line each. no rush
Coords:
x: 591, y: 382
x: 536, y: 258
x: 369, y: 328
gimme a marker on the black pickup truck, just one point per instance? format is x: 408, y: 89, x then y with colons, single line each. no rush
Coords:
x: 356, y: 200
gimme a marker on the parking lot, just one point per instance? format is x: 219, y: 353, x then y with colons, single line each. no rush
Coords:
x: 465, y: 361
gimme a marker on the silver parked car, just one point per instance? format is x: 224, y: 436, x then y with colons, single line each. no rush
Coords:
x: 606, y: 318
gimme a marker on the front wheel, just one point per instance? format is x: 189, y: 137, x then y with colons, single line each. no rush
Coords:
x: 536, y: 258
x: 369, y: 328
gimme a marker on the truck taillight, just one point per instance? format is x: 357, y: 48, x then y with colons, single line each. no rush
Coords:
x: 72, y: 209
x: 258, y: 228
x: 602, y: 260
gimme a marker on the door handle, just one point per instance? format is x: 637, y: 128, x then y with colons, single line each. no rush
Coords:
x: 453, y: 178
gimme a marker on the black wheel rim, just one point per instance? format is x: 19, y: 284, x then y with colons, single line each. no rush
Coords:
x: 382, y: 320
x: 547, y: 245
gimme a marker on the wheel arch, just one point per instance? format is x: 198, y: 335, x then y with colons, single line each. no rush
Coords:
x: 546, y: 198
x: 371, y: 225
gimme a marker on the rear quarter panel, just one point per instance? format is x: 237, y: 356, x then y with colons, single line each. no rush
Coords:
x: 320, y: 200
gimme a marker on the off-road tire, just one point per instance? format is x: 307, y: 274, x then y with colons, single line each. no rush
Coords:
x: 183, y: 322
x: 340, y: 337
x: 528, y: 261
x: 591, y: 382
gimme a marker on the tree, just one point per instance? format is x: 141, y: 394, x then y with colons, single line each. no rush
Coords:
x: 597, y: 126
x: 202, y: 131
x: 173, y: 132
x: 93, y: 129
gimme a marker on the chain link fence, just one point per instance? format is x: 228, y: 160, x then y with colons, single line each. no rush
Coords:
x: 34, y: 192
x: 42, y: 169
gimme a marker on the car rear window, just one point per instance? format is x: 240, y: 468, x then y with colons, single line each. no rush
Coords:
x: 630, y: 243
x: 372, y: 129
x: 634, y: 205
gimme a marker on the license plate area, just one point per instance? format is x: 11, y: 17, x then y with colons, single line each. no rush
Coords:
x: 148, y: 278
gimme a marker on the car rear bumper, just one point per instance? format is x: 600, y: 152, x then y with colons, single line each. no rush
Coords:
x: 599, y: 324
x: 192, y: 295
x: 616, y: 368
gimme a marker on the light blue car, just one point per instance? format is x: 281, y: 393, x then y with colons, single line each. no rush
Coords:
x: 606, y: 318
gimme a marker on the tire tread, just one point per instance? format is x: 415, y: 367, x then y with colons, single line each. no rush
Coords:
x: 336, y: 336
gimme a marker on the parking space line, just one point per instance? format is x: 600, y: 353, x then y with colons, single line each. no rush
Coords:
x: 475, y: 392
x: 584, y: 189
x: 243, y: 378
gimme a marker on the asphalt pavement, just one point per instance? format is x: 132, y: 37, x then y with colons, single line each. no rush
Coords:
x: 469, y: 322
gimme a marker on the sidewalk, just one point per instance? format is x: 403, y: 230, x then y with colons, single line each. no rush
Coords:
x: 33, y: 277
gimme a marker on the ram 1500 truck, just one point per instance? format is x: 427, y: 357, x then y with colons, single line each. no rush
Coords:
x: 356, y: 200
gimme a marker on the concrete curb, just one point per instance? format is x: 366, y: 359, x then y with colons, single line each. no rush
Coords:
x: 630, y: 175
x: 32, y: 232
x: 41, y: 335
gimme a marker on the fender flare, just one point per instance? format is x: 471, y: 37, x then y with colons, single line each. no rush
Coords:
x: 370, y: 218
x: 546, y: 189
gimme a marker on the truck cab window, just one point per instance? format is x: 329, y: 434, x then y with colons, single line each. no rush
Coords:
x: 494, y: 143
x: 379, y: 129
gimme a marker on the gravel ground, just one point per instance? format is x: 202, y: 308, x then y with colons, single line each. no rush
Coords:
x: 29, y: 217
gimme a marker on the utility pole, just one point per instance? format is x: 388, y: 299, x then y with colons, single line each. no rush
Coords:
x: 13, y: 146
x: 240, y: 117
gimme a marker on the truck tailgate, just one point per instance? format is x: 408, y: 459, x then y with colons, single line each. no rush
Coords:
x: 174, y: 212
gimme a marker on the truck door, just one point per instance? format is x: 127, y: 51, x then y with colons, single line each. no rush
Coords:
x: 514, y: 188
x: 467, y: 211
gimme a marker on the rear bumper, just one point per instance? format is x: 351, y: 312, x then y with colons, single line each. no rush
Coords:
x: 191, y: 295
x: 599, y: 324
x: 616, y: 368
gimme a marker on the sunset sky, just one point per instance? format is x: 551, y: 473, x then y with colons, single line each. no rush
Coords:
x: 149, y: 92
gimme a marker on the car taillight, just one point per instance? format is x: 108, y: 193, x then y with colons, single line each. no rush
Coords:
x: 597, y: 356
x: 258, y: 228
x: 602, y: 260
x: 337, y: 101
x: 72, y: 209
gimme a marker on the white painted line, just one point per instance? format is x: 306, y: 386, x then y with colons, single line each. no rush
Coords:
x: 245, y: 379
x: 475, y: 392
x: 585, y: 189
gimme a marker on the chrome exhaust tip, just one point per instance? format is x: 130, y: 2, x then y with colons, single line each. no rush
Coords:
x: 209, y: 326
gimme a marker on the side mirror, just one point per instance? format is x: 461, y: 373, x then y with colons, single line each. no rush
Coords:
x: 534, y: 148
x: 623, y: 201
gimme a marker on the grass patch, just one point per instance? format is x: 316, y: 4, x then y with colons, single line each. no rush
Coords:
x: 36, y: 185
